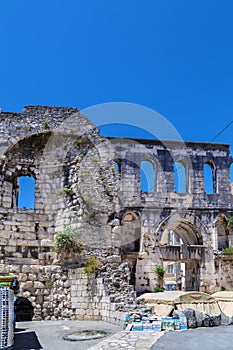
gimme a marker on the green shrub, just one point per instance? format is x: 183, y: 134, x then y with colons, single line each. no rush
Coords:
x: 230, y: 223
x: 46, y: 125
x: 158, y: 289
x: 91, y: 265
x: 66, y: 190
x: 82, y: 141
x: 49, y: 284
x: 160, y: 270
x: 228, y: 250
x: 67, y: 242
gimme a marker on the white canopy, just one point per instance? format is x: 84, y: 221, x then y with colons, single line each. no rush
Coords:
x: 165, y: 302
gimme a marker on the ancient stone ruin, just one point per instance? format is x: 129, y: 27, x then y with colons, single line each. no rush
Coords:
x: 90, y: 187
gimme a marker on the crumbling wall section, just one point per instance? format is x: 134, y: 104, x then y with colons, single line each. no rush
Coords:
x: 68, y: 292
x: 37, y: 119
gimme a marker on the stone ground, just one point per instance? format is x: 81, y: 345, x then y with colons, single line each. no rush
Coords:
x: 211, y: 338
x: 48, y: 335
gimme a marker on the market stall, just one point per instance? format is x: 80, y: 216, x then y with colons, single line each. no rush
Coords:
x: 225, y: 302
x: 165, y: 302
x: 7, y: 312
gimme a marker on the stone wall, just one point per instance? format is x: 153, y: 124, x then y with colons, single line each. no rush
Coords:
x: 66, y: 292
x: 78, y: 186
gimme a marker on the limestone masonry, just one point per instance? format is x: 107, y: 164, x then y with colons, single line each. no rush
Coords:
x: 92, y: 186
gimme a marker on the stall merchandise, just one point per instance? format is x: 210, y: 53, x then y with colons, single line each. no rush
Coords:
x: 6, y: 318
x: 137, y: 322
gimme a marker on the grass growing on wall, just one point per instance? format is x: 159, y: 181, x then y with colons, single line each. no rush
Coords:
x: 67, y: 242
x: 91, y: 265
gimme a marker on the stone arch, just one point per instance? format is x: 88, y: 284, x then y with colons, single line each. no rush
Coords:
x: 26, y: 157
x: 186, y: 249
x: 37, y: 119
x: 148, y: 175
x: 131, y: 232
x: 129, y: 217
x: 190, y: 229
x: 186, y: 230
x: 22, y: 158
x: 221, y: 232
x: 24, y: 310
x: 36, y: 139
x: 131, y: 239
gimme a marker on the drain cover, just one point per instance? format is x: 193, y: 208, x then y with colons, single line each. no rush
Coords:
x: 85, y: 335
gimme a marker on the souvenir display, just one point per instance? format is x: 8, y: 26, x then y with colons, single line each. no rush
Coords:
x: 138, y: 322
x: 6, y: 318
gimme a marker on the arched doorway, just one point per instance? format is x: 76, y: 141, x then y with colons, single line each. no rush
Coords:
x: 24, y: 310
x: 182, y: 251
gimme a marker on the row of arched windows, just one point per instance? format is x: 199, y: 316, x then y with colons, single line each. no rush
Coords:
x: 24, y: 186
x: 148, y: 177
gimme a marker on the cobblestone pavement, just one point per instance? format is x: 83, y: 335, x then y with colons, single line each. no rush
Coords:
x: 48, y: 335
x: 129, y: 340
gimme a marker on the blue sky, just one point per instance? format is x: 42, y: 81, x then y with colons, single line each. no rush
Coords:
x: 173, y: 56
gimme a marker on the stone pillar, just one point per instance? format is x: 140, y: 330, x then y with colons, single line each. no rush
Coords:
x: 214, y: 236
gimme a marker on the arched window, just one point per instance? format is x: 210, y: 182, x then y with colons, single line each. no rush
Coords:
x: 24, y: 192
x: 231, y: 177
x: 147, y: 175
x: 117, y: 164
x: 209, y: 178
x: 180, y: 178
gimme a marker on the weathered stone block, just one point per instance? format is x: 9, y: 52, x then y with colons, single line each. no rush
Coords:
x: 39, y: 285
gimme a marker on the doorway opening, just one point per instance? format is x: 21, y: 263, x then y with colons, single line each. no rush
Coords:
x: 24, y: 310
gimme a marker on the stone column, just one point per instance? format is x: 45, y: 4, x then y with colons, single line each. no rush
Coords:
x: 214, y: 236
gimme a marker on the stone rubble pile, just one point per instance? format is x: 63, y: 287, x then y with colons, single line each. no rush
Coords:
x: 196, y: 318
